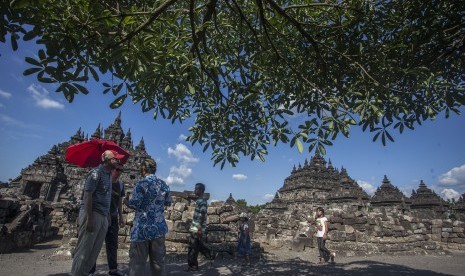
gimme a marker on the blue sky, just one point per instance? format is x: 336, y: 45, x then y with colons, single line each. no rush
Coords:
x: 33, y: 118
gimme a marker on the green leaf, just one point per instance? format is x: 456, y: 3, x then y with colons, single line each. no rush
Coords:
x: 46, y: 80
x: 118, y: 101
x: 42, y: 54
x: 191, y: 89
x: 33, y: 61
x: 30, y: 35
x: 31, y: 71
x: 117, y: 89
x: 300, y: 146
x: 81, y: 88
x: 389, y: 136
x: 14, y: 41
x: 94, y: 73
x: 322, y: 149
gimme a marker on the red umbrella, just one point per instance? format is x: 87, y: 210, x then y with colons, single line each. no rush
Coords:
x: 89, y: 153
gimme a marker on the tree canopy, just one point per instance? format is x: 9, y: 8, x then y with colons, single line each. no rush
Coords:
x: 241, y: 69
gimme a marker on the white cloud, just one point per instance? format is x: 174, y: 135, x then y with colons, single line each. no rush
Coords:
x: 178, y: 175
x: 5, y: 94
x: 239, y: 177
x: 40, y: 96
x: 268, y: 197
x: 182, y: 137
x: 182, y: 170
x: 182, y: 154
x: 172, y: 180
x: 450, y: 193
x: 7, y: 120
x: 367, y: 187
x: 454, y: 177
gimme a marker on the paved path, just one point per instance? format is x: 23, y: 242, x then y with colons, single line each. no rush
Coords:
x: 39, y: 261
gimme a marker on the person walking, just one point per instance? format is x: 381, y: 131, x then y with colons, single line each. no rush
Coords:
x: 149, y: 198
x: 94, y: 214
x: 321, y: 236
x: 116, y: 214
x: 243, y: 245
x: 197, y: 239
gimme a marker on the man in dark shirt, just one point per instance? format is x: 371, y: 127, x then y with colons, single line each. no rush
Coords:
x: 94, y: 214
x: 116, y: 214
x: 197, y: 240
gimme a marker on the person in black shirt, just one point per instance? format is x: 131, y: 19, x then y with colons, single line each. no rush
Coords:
x: 116, y: 214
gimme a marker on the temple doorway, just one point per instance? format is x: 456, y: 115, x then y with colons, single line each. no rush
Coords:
x: 32, y: 189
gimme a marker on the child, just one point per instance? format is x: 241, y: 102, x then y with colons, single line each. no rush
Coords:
x: 321, y: 235
x: 243, y: 247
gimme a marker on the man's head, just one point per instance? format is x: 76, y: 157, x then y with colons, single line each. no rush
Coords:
x: 199, y: 189
x: 148, y: 166
x: 111, y: 158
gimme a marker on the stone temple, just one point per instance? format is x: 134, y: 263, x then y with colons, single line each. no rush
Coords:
x: 359, y: 224
x: 42, y: 203
x: 52, y: 179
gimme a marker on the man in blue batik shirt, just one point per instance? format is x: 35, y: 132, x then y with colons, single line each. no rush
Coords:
x: 149, y: 198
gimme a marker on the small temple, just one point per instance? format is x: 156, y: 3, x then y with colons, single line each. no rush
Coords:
x: 427, y: 204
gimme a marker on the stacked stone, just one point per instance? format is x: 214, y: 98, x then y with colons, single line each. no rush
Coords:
x: 222, y: 223
x: 8, y: 209
x: 451, y: 233
x: 283, y: 228
x: 459, y: 208
x: 24, y: 223
x: 427, y: 204
x: 63, y: 216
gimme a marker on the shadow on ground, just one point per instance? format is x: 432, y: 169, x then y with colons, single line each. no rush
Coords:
x: 288, y: 267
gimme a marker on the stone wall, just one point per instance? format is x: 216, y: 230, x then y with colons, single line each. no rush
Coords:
x: 222, y: 226
x: 24, y: 223
x: 360, y: 232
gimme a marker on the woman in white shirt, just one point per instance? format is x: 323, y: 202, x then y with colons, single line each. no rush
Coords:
x: 321, y: 236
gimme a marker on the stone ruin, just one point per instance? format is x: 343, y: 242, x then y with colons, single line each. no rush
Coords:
x: 43, y: 203
x: 387, y: 222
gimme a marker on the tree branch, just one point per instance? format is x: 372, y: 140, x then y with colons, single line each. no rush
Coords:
x: 265, y: 23
x: 211, y: 4
x: 195, y: 47
x: 299, y: 27
x: 162, y: 8
x: 338, y: 6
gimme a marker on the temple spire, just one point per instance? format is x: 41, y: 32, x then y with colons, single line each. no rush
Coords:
x: 78, y: 137
x: 98, y: 133
x: 127, y: 140
x: 118, y: 119
x: 141, y: 146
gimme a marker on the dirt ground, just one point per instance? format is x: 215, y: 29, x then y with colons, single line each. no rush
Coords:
x: 40, y: 260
